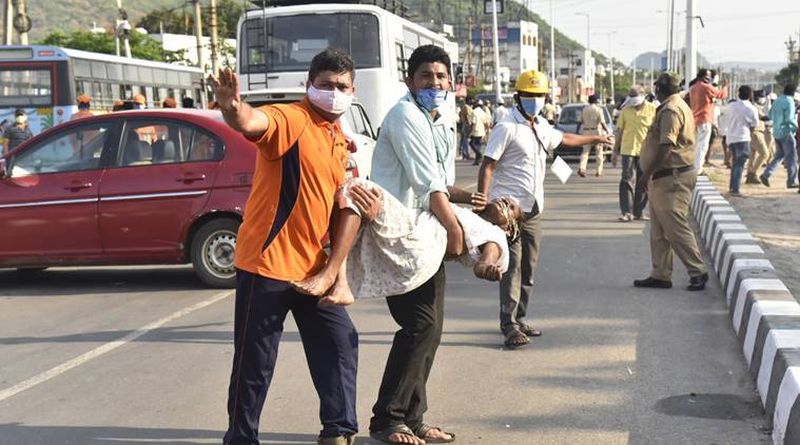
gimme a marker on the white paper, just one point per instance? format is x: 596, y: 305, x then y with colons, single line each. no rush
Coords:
x: 561, y: 169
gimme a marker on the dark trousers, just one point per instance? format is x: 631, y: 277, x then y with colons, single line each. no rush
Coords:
x: 331, y: 345
x: 476, y: 144
x: 632, y: 199
x: 420, y: 313
x: 516, y: 286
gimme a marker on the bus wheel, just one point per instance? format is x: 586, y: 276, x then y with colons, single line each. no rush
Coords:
x: 213, y: 249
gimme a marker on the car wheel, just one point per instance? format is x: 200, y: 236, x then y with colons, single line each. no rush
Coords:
x: 213, y: 249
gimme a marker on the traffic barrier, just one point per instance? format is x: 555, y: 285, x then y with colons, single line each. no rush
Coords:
x: 764, y: 314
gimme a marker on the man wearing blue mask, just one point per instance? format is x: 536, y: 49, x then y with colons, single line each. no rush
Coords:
x: 414, y: 160
x: 514, y: 165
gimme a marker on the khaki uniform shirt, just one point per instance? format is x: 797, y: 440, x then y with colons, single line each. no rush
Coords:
x: 673, y: 126
x: 591, y: 118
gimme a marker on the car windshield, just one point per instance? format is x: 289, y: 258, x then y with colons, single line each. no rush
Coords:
x: 570, y: 115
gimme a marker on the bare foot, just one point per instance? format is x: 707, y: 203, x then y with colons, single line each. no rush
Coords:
x: 436, y: 433
x: 405, y: 438
x: 339, y: 295
x: 487, y: 271
x: 315, y: 285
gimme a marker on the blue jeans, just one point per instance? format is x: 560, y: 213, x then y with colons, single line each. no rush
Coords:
x: 785, y: 147
x: 740, y: 152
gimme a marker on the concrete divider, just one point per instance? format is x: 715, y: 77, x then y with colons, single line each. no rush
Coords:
x: 764, y: 314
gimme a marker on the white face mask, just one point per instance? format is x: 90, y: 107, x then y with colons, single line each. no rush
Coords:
x: 333, y: 101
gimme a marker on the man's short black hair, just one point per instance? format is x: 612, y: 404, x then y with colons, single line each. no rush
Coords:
x: 745, y: 92
x: 427, y: 54
x: 187, y: 102
x: 789, y: 89
x: 331, y: 59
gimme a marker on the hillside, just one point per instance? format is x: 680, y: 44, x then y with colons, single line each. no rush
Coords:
x: 68, y: 15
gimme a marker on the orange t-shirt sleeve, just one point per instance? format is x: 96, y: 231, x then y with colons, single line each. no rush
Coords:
x: 285, y: 124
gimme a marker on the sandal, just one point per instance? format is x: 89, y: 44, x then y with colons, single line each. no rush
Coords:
x: 424, y: 429
x: 383, y: 434
x: 516, y: 339
x: 529, y: 330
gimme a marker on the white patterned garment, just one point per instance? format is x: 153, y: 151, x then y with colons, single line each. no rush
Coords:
x: 403, y: 248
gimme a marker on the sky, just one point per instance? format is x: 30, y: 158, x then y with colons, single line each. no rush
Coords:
x: 735, y: 30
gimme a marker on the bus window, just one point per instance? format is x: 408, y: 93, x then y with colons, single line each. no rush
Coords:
x: 172, y: 78
x: 295, y: 40
x: 131, y: 73
x: 115, y: 92
x: 82, y: 68
x: 114, y: 71
x: 145, y: 74
x: 401, y: 61
x: 99, y: 70
x: 26, y: 87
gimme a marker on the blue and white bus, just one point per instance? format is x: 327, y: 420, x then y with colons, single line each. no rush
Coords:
x: 378, y: 40
x: 46, y: 80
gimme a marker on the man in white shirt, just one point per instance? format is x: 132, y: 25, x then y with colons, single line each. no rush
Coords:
x: 514, y: 166
x: 500, y: 113
x: 742, y: 117
x: 481, y: 121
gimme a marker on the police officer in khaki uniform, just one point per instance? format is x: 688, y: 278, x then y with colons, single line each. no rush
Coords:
x: 592, y: 122
x: 667, y: 162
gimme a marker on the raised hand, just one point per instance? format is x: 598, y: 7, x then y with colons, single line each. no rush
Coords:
x: 226, y: 89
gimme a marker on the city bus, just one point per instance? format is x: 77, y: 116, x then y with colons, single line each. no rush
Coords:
x: 378, y: 40
x: 46, y: 80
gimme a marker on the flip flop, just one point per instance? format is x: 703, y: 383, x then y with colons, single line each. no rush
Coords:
x: 516, y: 339
x: 383, y: 434
x: 424, y: 429
x: 530, y: 331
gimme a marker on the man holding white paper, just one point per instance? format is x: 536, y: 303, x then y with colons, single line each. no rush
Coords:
x: 514, y: 165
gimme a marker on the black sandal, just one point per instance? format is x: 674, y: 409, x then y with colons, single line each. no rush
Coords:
x: 529, y: 330
x: 424, y: 429
x: 516, y: 339
x: 383, y: 434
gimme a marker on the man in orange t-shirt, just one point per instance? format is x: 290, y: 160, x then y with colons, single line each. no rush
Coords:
x: 301, y: 161
x: 701, y: 98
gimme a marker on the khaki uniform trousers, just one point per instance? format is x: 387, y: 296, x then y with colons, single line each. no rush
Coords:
x: 760, y: 151
x: 599, y: 158
x: 669, y: 228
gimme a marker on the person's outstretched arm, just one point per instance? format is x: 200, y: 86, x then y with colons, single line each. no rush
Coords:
x: 238, y: 114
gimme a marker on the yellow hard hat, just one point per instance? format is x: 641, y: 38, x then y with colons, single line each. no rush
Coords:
x: 533, y: 82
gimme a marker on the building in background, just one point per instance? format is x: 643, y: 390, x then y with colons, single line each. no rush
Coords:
x: 518, y: 47
x: 188, y: 45
x: 575, y: 75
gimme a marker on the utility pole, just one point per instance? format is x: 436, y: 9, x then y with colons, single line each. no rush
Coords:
x: 691, y: 40
x: 9, y: 22
x: 468, y: 55
x: 481, y: 61
x: 552, y: 54
x: 214, y: 38
x: 652, y: 69
x: 498, y: 96
x: 198, y: 29
x: 611, y: 65
x: 22, y: 22
x: 670, y: 49
x: 588, y: 30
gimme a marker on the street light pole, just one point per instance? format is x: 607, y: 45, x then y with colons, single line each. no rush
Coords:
x: 498, y: 96
x: 611, y: 34
x: 588, y: 30
x: 552, y: 54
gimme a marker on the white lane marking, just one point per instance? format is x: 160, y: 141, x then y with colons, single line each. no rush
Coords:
x: 107, y: 347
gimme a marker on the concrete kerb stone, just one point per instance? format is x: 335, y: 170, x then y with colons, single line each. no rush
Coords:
x: 764, y: 314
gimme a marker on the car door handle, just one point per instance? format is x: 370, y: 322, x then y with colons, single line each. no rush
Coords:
x: 75, y: 186
x: 191, y: 178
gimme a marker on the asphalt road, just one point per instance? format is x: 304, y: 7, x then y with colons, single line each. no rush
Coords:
x: 142, y: 355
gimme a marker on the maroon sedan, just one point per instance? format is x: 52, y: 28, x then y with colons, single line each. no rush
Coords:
x: 137, y: 187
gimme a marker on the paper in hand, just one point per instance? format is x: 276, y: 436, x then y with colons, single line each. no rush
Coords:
x: 561, y: 169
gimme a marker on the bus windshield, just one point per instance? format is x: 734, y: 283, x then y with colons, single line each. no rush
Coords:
x: 294, y: 40
x: 26, y: 87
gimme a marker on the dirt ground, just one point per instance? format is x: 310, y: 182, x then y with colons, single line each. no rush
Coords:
x: 772, y: 215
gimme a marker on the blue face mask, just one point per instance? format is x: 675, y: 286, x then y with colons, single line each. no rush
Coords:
x: 431, y: 98
x: 532, y: 105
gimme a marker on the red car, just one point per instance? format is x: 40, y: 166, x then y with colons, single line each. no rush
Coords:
x: 136, y: 187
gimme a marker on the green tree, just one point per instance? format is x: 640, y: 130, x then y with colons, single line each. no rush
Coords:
x: 142, y: 45
x: 790, y: 74
x: 175, y: 21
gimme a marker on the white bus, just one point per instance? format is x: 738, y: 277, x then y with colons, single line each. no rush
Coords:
x: 45, y: 81
x: 379, y: 42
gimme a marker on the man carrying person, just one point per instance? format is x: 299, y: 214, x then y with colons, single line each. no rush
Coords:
x: 414, y: 161
x: 701, y: 97
x: 301, y: 160
x: 669, y: 176
x: 742, y: 119
x: 514, y: 166
x: 784, y: 125
x: 634, y: 121
x: 592, y: 122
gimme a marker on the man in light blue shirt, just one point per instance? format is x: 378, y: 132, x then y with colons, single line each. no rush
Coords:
x: 414, y: 160
x: 784, y: 126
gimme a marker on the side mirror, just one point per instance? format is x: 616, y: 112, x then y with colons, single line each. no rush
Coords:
x: 2, y: 168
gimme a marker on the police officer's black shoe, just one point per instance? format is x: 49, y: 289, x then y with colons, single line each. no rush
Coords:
x: 698, y: 282
x: 653, y: 282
